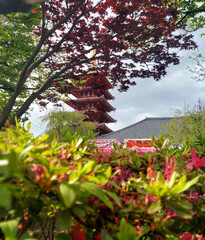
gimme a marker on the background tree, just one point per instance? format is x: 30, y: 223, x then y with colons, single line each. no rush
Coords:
x: 63, y: 124
x: 131, y: 38
x: 187, y: 125
x: 192, y: 12
x: 17, y: 43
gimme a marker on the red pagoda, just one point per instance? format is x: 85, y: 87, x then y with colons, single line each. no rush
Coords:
x: 92, y: 100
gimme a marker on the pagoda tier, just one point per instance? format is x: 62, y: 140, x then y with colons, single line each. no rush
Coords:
x: 96, y: 82
x: 92, y: 99
x: 90, y: 92
x: 90, y: 103
x: 99, y: 116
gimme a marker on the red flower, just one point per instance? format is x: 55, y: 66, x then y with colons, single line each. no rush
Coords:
x: 98, y: 236
x: 78, y: 233
x: 195, y: 162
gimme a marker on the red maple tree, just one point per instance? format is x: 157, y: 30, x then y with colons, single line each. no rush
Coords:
x: 132, y: 39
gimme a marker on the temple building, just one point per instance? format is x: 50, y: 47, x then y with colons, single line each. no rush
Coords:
x: 91, y: 98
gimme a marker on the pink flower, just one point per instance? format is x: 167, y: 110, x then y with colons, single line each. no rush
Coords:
x: 199, y: 237
x: 189, y: 236
x: 170, y: 214
x: 186, y: 236
x: 195, y: 162
x: 150, y: 198
x: 39, y: 172
x: 169, y: 168
x: 194, y: 197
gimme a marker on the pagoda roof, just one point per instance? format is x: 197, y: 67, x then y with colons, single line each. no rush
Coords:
x: 99, y: 102
x: 103, y: 129
x: 99, y: 92
x: 99, y: 116
x: 96, y: 82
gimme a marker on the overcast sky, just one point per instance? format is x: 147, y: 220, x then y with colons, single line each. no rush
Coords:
x: 150, y: 98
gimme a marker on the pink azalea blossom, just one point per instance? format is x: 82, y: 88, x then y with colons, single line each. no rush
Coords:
x: 186, y: 236
x: 39, y: 172
x: 195, y: 162
x: 189, y: 236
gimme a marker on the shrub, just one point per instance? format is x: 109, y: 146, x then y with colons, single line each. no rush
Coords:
x: 73, y: 191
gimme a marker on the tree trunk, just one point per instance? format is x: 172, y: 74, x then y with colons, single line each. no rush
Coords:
x: 29, y: 101
x: 7, y: 109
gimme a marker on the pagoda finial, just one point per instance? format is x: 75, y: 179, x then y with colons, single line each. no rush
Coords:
x: 93, y: 61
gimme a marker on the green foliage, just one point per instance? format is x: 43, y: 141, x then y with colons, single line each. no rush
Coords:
x: 187, y: 125
x: 64, y: 125
x: 85, y: 193
x: 17, y: 42
x: 199, y: 67
x: 192, y: 13
x: 41, y: 180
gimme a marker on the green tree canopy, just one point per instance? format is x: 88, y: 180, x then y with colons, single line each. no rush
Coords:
x: 192, y: 13
x: 64, y: 124
x: 17, y: 42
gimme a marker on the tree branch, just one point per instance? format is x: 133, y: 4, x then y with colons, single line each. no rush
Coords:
x: 200, y: 10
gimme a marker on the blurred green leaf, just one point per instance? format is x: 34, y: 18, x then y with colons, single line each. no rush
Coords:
x: 9, y: 228
x: 155, y: 207
x: 5, y: 197
x: 127, y: 231
x: 63, y: 220
x: 69, y: 193
x: 97, y: 191
x: 105, y: 235
x: 181, y: 207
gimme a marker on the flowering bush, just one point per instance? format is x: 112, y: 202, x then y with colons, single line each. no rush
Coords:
x: 73, y: 191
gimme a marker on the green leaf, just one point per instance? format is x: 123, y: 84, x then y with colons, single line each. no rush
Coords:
x: 108, y: 172
x: 115, y: 197
x: 23, y: 154
x: 155, y: 207
x: 127, y: 231
x: 5, y: 197
x: 160, y: 177
x: 97, y: 191
x: 178, y: 187
x: 172, y: 180
x: 87, y: 168
x: 181, y: 207
x: 69, y: 193
x: 9, y: 229
x: 105, y: 235
x: 190, y: 183
x: 63, y: 220
x: 62, y: 236
x: 78, y: 211
x: 43, y: 138
x: 80, y: 140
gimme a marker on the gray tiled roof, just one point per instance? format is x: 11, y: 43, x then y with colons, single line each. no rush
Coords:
x: 140, y: 130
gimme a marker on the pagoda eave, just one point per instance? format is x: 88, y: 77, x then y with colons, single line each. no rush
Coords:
x: 97, y: 102
x: 96, y: 93
x: 103, y: 129
x: 99, y: 116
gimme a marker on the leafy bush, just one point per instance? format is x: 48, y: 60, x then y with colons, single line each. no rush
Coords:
x: 73, y: 191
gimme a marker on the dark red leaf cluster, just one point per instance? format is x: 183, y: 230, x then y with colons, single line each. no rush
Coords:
x: 132, y: 39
